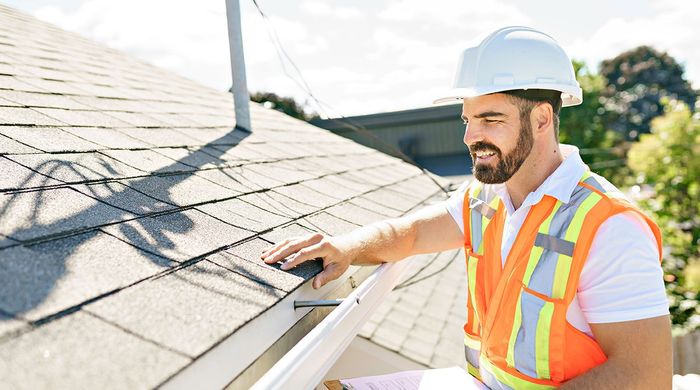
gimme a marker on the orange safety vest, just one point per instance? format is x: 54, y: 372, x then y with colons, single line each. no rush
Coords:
x: 517, y: 335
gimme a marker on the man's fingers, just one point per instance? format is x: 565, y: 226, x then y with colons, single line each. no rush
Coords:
x: 331, y: 272
x: 292, y: 246
x: 274, y: 248
x: 308, y: 253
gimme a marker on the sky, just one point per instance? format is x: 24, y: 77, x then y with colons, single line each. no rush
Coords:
x: 366, y: 56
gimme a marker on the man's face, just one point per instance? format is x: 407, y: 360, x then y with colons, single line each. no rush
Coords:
x: 497, y: 140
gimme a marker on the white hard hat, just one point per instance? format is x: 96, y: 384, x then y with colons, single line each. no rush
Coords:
x: 513, y: 58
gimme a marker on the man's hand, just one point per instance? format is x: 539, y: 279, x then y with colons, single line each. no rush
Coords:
x: 431, y: 229
x: 336, y: 255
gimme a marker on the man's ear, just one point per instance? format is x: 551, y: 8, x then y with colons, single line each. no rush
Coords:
x: 542, y: 118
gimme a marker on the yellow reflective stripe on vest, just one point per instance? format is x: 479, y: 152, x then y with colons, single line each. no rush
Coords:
x: 542, y: 340
x: 561, y: 274
x: 471, y: 281
x: 472, y: 351
x: 475, y: 189
x: 485, y: 222
x: 471, y: 343
x: 473, y: 371
x: 508, y: 379
x: 577, y: 222
x: 586, y: 175
x: 510, y: 356
x: 536, y: 251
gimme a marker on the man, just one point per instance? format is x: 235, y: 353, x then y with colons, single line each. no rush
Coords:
x: 564, y: 280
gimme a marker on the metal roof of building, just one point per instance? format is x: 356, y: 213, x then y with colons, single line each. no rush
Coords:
x: 450, y: 113
x: 132, y: 215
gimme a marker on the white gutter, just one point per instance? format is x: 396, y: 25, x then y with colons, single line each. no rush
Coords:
x: 305, y: 365
x: 217, y: 367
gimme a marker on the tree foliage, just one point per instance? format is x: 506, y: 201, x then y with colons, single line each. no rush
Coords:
x: 585, y: 125
x: 636, y: 82
x: 668, y: 159
x: 284, y: 104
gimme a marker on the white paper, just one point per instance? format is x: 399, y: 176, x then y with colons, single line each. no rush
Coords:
x: 440, y: 378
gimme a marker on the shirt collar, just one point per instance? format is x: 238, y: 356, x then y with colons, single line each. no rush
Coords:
x: 560, y: 184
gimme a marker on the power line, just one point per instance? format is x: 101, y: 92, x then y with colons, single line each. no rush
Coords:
x: 410, y: 282
x: 282, y: 54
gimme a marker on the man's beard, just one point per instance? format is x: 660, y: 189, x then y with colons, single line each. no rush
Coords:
x: 507, y: 165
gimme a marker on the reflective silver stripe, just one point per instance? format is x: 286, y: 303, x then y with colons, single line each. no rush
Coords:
x: 566, y: 212
x: 472, y: 356
x: 543, y: 275
x: 490, y: 380
x: 530, y: 307
x: 593, y: 182
x: 555, y: 244
x: 481, y: 207
x: 476, y: 222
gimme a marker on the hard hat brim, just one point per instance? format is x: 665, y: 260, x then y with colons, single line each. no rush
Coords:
x: 570, y: 95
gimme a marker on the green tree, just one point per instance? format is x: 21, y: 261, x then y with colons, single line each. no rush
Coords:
x: 585, y: 125
x: 284, y: 104
x: 668, y: 160
x: 635, y: 83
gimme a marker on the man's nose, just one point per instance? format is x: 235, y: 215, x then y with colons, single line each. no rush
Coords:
x: 472, y: 134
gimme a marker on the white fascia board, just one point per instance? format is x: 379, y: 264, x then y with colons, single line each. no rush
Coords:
x: 225, y: 361
x: 305, y: 365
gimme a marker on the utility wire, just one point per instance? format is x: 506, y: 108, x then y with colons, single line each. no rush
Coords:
x: 410, y: 282
x: 346, y: 122
x: 354, y: 126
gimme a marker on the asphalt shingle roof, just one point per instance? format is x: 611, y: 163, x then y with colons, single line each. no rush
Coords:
x: 132, y: 212
x: 423, y: 321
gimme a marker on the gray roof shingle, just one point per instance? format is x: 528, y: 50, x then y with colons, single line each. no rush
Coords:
x: 37, y: 214
x: 49, y: 139
x: 44, y: 279
x: 55, y: 356
x: 76, y: 167
x: 217, y: 302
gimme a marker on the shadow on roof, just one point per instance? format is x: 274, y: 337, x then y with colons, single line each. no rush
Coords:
x: 30, y: 272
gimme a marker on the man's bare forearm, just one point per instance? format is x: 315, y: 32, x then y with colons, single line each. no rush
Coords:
x: 385, y: 241
x: 617, y: 375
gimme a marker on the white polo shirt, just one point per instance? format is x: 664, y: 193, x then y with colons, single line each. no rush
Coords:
x: 621, y: 279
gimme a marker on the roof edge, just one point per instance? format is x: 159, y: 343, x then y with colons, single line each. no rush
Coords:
x: 305, y: 365
x: 223, y: 364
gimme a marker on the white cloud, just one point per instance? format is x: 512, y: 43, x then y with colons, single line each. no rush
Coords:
x: 178, y: 35
x: 457, y: 15
x: 319, y: 8
x: 189, y: 38
x: 673, y: 28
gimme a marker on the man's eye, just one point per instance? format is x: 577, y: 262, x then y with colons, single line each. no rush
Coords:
x: 465, y: 122
x: 491, y: 121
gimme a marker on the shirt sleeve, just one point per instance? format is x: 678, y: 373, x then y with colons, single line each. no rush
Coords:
x: 455, y: 204
x: 622, y: 279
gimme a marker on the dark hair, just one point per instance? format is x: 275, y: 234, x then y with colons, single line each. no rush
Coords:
x: 526, y: 99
